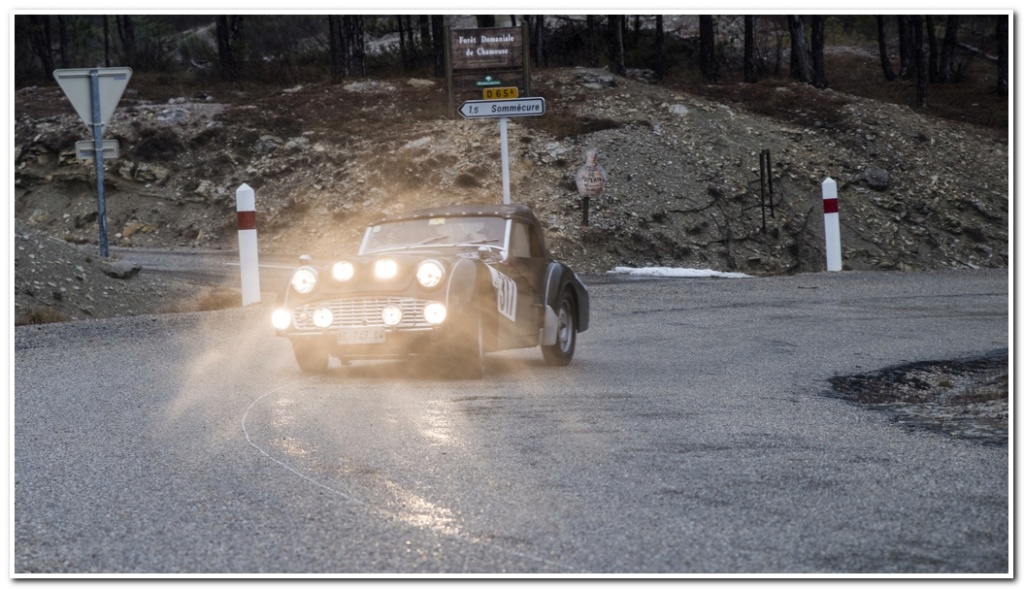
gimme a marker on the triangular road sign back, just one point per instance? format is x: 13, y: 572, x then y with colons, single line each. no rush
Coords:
x: 76, y: 84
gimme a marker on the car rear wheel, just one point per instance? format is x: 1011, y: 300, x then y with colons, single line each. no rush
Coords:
x: 561, y: 352
x: 311, y: 355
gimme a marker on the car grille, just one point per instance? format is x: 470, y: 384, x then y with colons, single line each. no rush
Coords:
x: 362, y: 313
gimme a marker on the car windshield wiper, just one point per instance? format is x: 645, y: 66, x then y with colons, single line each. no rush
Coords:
x: 478, y: 242
x: 429, y: 240
x: 412, y: 245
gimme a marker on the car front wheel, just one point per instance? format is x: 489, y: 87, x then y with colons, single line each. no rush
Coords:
x: 311, y: 355
x: 561, y: 352
x: 467, y: 346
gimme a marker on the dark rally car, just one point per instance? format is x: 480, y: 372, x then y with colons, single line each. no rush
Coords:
x: 453, y: 283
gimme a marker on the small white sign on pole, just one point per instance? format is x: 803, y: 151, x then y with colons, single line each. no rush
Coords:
x: 830, y: 204
x: 248, y: 254
x: 501, y: 110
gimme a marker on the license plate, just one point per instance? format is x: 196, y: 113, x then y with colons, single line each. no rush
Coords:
x: 368, y: 335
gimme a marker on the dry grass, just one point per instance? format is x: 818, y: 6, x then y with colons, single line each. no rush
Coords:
x: 207, y: 299
x: 39, y: 316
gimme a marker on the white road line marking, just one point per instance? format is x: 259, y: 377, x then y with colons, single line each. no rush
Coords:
x: 464, y: 537
x: 288, y: 468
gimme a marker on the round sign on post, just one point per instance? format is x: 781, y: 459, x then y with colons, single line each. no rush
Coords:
x: 590, y: 179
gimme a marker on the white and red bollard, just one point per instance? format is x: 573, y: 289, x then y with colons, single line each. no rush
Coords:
x: 248, y: 255
x: 830, y: 202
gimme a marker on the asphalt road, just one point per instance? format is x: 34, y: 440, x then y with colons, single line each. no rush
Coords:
x: 692, y: 434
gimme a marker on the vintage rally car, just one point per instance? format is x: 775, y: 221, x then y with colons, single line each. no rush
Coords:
x: 453, y: 283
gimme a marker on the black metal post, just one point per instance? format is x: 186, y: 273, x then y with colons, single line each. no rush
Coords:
x: 764, y: 223
x: 586, y: 211
x: 97, y: 139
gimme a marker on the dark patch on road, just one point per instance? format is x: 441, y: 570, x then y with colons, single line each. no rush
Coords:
x: 966, y: 399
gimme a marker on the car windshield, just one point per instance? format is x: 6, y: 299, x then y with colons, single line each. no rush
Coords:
x: 434, y: 232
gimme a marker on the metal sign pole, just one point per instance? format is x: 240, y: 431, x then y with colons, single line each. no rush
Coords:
x: 97, y: 137
x: 505, y: 191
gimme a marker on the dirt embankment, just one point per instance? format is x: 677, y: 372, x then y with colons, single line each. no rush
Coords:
x: 683, y: 184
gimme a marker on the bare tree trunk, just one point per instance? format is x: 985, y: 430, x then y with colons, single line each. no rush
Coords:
x: 921, y: 63
x: 660, y: 68
x: 356, y: 42
x: 933, y: 49
x: 62, y: 28
x: 883, y: 49
x: 106, y: 41
x: 779, y: 35
x: 1003, y: 33
x: 617, y: 57
x: 798, y: 46
x: 40, y: 41
x: 906, y: 45
x: 424, y: 43
x: 403, y: 50
x: 946, y: 60
x: 335, y: 43
x: 437, y: 26
x: 591, y: 51
x: 818, y: 51
x: 225, y: 55
x: 708, y: 63
x: 126, y: 34
x: 538, y: 35
x: 749, y: 66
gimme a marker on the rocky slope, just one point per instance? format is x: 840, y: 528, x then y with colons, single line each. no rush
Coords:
x: 683, y: 187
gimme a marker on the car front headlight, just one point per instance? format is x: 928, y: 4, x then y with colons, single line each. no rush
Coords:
x: 304, y: 280
x: 430, y: 273
x: 391, y: 315
x: 281, y: 318
x: 323, y: 317
x: 385, y: 269
x: 435, y: 313
x: 342, y: 271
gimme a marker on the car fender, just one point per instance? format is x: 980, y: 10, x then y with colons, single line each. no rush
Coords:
x: 462, y: 286
x: 560, y: 277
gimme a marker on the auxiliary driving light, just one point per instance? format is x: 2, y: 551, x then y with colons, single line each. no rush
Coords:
x: 281, y: 318
x: 392, y: 315
x: 304, y: 280
x: 434, y: 313
x: 323, y: 317
x: 430, y: 273
x: 342, y: 271
x: 385, y: 269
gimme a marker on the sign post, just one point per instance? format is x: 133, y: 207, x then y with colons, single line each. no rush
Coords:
x: 95, y: 92
x: 502, y: 110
